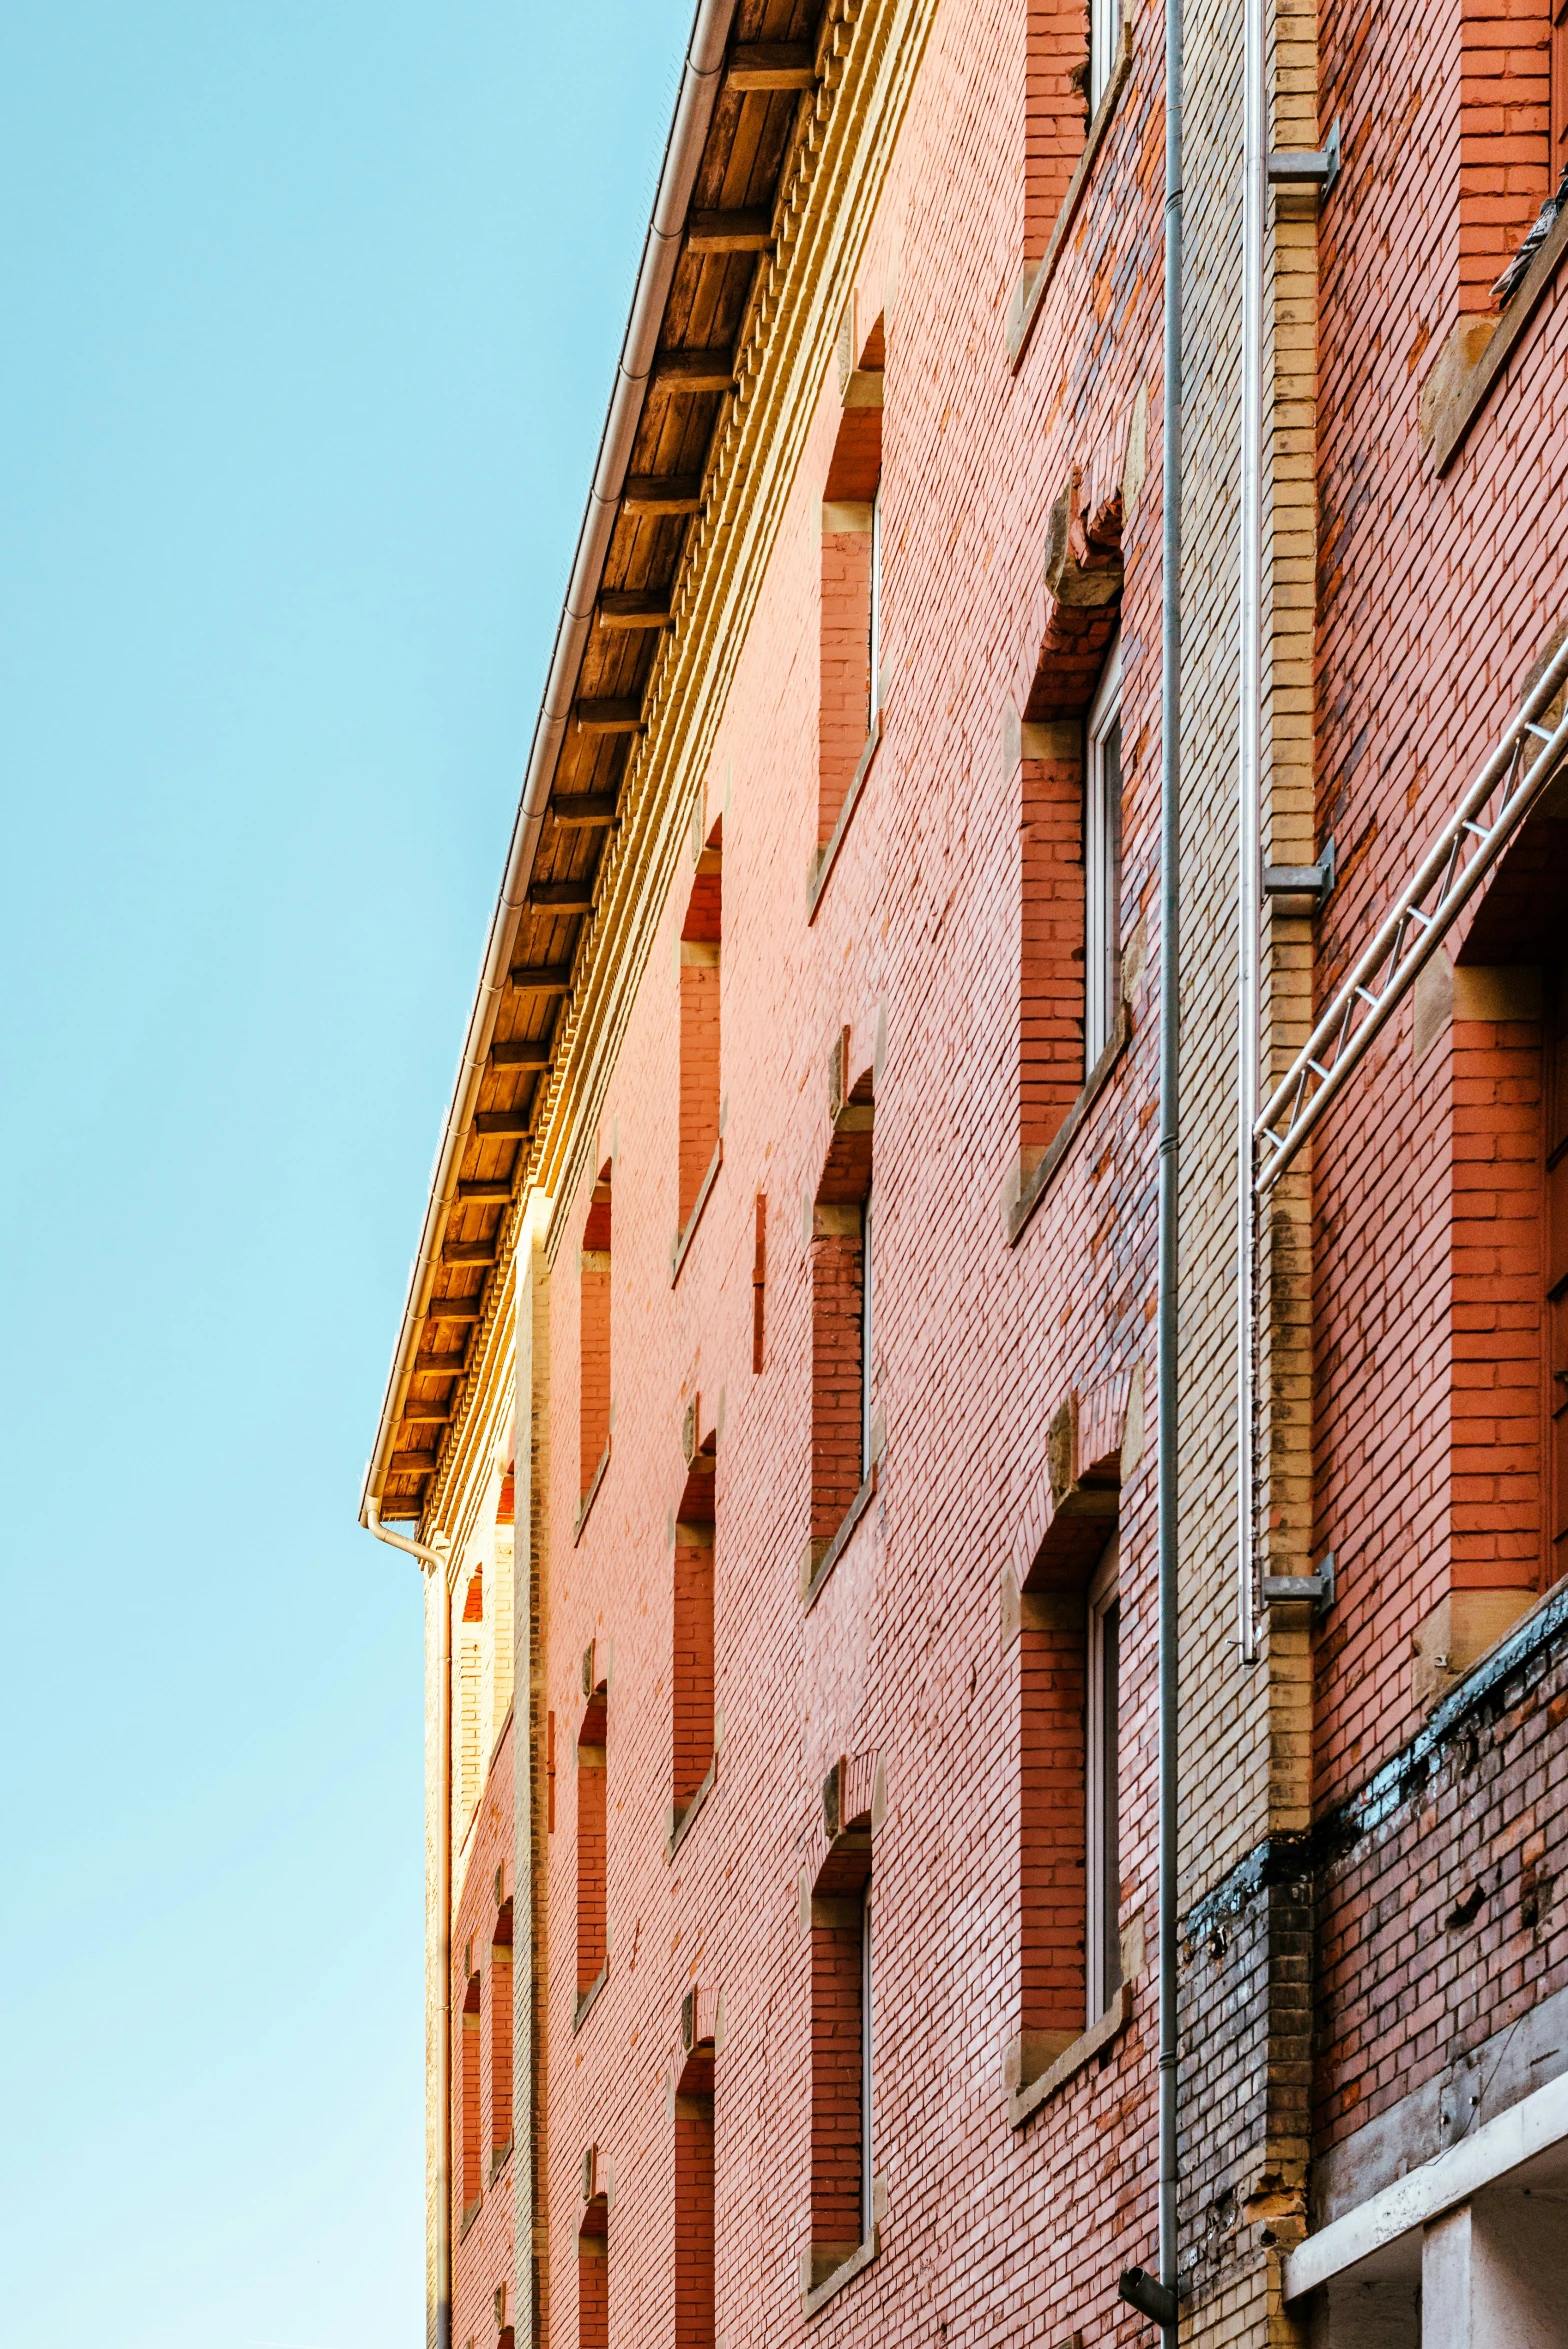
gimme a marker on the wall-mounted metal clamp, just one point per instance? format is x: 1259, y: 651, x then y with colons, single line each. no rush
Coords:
x: 1319, y: 1587
x: 1314, y: 881
x: 1306, y: 167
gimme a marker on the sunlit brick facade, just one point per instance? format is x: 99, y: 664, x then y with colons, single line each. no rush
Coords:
x: 788, y: 1336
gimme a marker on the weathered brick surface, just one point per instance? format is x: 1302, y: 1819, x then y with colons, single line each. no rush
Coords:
x: 935, y: 979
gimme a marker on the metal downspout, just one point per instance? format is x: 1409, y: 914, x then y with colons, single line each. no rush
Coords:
x: 1170, y: 1138
x: 1250, y: 787
x: 434, y: 1562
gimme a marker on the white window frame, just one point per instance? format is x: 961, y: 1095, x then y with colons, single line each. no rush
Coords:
x: 867, y: 1327
x: 876, y: 607
x: 1102, y: 1774
x: 1105, y: 24
x: 1102, y: 861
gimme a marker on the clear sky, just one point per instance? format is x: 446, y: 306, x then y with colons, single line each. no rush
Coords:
x: 310, y: 311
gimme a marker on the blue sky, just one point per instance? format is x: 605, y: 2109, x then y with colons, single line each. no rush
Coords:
x: 310, y: 313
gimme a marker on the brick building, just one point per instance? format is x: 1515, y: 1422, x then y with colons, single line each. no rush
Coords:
x: 776, y: 1404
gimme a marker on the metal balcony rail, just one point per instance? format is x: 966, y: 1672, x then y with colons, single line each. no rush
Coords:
x: 1458, y: 861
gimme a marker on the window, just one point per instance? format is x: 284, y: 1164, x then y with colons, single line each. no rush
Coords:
x: 593, y: 2272
x: 1067, y: 743
x: 592, y: 1938
x: 1105, y: 23
x: 469, y: 2106
x: 1056, y: 114
x: 1102, y: 827
x: 694, y: 2228
x: 699, y: 1034
x: 842, y: 2108
x: 867, y: 1300
x: 1508, y: 92
x: 866, y: 2104
x: 852, y: 616
x: 501, y: 2037
x: 845, y: 1426
x: 1069, y: 1785
x: 1555, y: 1090
x: 759, y: 1287
x: 691, y: 1694
x: 594, y: 1372
x: 1102, y: 1939
x: 470, y: 1648
x: 875, y: 657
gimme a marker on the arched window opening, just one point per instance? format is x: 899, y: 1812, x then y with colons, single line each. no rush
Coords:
x: 468, y: 2114
x: 694, y: 2212
x: 501, y: 2038
x: 592, y: 1937
x: 700, y: 1150
x: 594, y: 1371
x: 692, y: 1668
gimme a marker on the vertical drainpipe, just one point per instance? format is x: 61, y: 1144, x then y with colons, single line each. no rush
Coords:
x: 1170, y: 1141
x: 1250, y: 789
x: 434, y: 1560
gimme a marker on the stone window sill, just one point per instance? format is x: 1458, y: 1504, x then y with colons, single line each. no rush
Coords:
x: 1027, y: 2098
x: 469, y: 2216
x: 815, y: 2294
x: 588, y: 1999
x: 676, y: 1834
x: 1033, y: 1187
x: 683, y: 1239
x: 827, y: 857
x: 590, y: 1496
x: 816, y: 1571
x: 1030, y: 292
x: 499, y: 2158
x: 1470, y: 386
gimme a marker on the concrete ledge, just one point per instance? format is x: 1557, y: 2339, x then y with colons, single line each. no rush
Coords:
x: 469, y: 2215
x: 588, y: 1999
x: 814, y: 2295
x: 683, y: 1239
x: 1530, y: 2127
x: 818, y: 1571
x: 1027, y: 2099
x: 1462, y: 398
x: 590, y: 1496
x: 1029, y: 296
x: 827, y: 857
x: 676, y: 1834
x: 1033, y: 1187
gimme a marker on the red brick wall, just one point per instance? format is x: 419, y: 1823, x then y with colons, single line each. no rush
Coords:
x: 915, y: 948
x: 1435, y: 598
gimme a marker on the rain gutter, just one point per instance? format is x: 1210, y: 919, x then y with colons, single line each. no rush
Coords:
x: 700, y: 80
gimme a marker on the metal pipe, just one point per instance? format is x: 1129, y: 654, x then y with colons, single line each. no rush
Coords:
x: 1254, y: 196
x: 661, y: 251
x: 1170, y: 1137
x: 434, y: 1561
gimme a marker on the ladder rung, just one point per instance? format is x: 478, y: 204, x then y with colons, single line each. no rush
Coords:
x: 1367, y: 997
x: 1318, y: 1070
x: 1541, y: 733
x: 1479, y: 830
